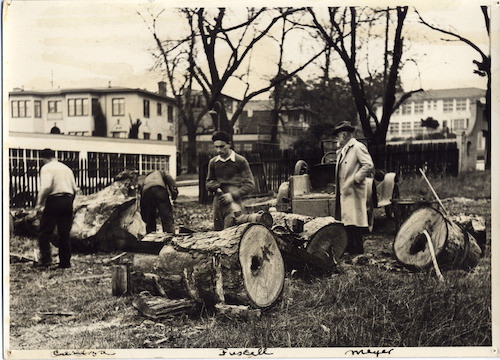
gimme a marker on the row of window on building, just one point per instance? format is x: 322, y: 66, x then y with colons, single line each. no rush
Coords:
x: 80, y: 107
x: 99, y: 164
x: 418, y: 107
x: 407, y: 129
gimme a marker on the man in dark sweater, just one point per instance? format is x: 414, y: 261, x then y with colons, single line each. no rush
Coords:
x: 157, y: 187
x: 230, y: 177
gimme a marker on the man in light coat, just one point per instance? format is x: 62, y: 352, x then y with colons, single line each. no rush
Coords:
x: 354, y: 164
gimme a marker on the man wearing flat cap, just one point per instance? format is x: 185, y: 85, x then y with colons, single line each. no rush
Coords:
x: 354, y: 164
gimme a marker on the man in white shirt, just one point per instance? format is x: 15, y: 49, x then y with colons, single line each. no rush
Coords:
x: 55, y: 200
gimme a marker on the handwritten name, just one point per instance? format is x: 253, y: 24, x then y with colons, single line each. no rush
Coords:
x: 92, y: 353
x: 369, y: 352
x: 245, y: 352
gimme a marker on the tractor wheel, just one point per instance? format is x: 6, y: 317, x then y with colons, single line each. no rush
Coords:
x: 301, y: 168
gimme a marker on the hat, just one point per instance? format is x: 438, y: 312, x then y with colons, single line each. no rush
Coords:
x: 343, y: 126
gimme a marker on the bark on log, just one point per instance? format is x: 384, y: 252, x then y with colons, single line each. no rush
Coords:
x: 286, y: 219
x: 158, y: 307
x: 238, y: 265
x: 454, y: 247
x: 103, y: 221
x: 321, y: 243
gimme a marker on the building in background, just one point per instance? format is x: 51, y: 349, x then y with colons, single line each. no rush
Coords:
x: 252, y: 130
x: 459, y: 114
x: 96, y: 130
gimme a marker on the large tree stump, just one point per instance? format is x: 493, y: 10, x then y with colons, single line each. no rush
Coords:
x: 238, y: 265
x: 454, y: 248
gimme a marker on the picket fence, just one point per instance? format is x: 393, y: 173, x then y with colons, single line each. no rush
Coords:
x: 270, y: 167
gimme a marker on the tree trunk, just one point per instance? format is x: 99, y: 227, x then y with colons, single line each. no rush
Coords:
x: 192, y: 163
x: 238, y: 265
x: 104, y: 221
x: 323, y: 237
x: 453, y: 247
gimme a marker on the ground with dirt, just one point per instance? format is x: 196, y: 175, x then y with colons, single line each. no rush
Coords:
x: 74, y: 308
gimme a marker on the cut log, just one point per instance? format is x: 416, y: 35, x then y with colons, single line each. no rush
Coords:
x: 321, y: 243
x: 454, y: 248
x: 240, y: 265
x: 120, y: 280
x: 260, y: 217
x: 327, y: 238
x: 102, y: 221
x: 474, y: 225
x: 158, y: 307
x: 286, y: 220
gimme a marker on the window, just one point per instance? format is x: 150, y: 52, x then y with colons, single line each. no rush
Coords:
x: 247, y: 147
x: 158, y: 109
x: 118, y: 105
x: 459, y: 124
x: 406, y: 128
x: 153, y: 162
x: 54, y: 107
x: 158, y: 137
x: 419, y: 107
x: 78, y: 107
x: 393, y: 128
x: 119, y: 134
x: 170, y: 114
x: 461, y: 104
x: 20, y: 108
x: 406, y: 109
x: 417, y: 128
x: 170, y: 138
x: 146, y: 108
x: 448, y: 105
x: 146, y: 136
x: 37, y: 108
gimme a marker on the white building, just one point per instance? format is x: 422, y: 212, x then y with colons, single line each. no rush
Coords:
x: 454, y: 109
x: 458, y: 111
x: 94, y: 112
x: 82, y: 121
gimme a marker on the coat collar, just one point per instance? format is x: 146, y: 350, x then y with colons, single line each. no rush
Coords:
x: 232, y: 157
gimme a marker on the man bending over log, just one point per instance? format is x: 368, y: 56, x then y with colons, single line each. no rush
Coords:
x: 55, y: 200
x: 354, y: 164
x: 155, y: 197
x: 230, y: 177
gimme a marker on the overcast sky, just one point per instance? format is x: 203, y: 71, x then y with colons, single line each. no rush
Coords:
x: 94, y: 43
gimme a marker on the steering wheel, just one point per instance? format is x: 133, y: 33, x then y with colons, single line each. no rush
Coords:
x: 329, y: 157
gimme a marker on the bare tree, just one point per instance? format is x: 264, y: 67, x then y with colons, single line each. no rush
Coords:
x: 341, y: 33
x: 238, y: 39
x: 177, y: 58
x: 483, y: 69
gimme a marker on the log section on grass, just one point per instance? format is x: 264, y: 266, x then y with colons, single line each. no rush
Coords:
x: 238, y: 265
x: 321, y: 243
x: 454, y: 247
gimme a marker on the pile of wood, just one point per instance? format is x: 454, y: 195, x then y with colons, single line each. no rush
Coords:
x: 232, y: 271
x: 108, y: 220
x: 241, y: 265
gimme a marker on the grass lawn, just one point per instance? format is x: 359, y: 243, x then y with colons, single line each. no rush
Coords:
x: 374, y: 303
